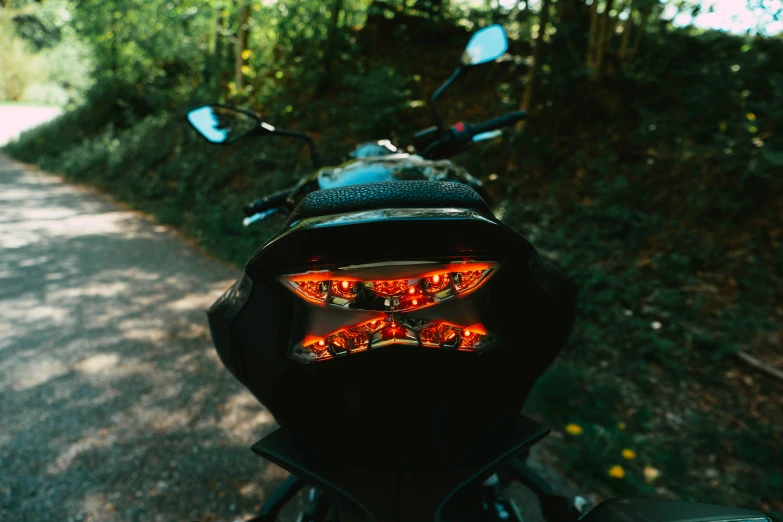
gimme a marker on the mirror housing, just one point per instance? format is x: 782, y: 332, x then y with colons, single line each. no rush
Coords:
x: 225, y: 125
x: 486, y: 45
x: 649, y: 510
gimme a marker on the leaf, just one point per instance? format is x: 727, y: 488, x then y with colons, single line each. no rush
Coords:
x: 772, y: 156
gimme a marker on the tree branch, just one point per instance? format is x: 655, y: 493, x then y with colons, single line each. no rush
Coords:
x: 627, y: 26
x: 760, y: 365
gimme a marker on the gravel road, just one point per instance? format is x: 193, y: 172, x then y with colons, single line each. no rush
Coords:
x: 114, y: 405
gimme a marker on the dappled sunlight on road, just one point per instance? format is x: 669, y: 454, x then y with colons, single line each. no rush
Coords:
x: 112, y: 394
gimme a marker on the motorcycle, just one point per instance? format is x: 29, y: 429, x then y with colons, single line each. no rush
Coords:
x: 394, y: 327
x: 371, y: 161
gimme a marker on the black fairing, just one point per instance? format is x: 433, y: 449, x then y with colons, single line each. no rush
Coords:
x: 527, y: 304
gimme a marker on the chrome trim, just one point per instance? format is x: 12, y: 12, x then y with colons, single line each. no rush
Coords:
x: 386, y: 214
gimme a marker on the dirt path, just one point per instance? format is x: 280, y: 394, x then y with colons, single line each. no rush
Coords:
x: 114, y: 406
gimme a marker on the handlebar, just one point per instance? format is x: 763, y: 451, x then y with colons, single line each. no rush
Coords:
x: 424, y: 137
x: 498, y: 123
x: 435, y: 144
x: 273, y: 200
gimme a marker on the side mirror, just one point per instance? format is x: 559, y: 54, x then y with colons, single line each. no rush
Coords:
x: 649, y: 510
x: 219, y: 124
x: 488, y: 44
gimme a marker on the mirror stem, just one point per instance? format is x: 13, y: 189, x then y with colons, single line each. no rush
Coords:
x: 438, y: 119
x: 314, y: 157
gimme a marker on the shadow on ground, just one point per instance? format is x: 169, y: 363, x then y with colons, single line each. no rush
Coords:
x: 114, y: 405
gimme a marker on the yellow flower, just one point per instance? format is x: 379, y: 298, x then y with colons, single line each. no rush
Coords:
x: 245, y: 69
x: 752, y: 129
x: 723, y: 126
x: 246, y: 54
x: 616, y: 472
x: 751, y: 116
x: 650, y: 473
x: 621, y: 425
x: 574, y: 429
x: 629, y: 454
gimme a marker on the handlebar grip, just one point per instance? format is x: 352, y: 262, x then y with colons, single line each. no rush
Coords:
x: 501, y: 121
x: 275, y: 199
x: 424, y: 137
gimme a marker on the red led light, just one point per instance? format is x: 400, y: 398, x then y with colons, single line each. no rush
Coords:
x: 390, y: 288
x: 443, y: 334
x: 435, y: 334
x: 435, y: 283
x: 313, y: 290
x: 468, y: 279
x: 345, y: 289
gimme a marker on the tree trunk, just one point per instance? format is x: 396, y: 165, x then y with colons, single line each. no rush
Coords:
x: 331, y: 44
x: 242, y: 36
x: 642, y: 20
x: 627, y: 26
x: 527, y: 97
x: 113, y: 48
x: 525, y: 13
x: 213, y: 70
x: 603, y: 40
x: 593, y: 37
x: 218, y: 40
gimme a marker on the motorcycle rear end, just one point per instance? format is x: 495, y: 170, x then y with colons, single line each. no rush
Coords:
x: 394, y: 329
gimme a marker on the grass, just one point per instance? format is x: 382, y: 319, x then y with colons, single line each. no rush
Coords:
x: 651, y: 368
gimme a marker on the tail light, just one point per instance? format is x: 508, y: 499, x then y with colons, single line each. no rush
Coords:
x: 393, y: 295
x: 392, y: 329
x: 410, y: 288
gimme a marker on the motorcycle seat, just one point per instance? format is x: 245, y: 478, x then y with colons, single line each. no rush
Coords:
x: 389, y: 194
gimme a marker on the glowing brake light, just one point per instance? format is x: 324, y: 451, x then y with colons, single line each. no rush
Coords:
x: 390, y: 288
x: 392, y: 295
x: 392, y: 330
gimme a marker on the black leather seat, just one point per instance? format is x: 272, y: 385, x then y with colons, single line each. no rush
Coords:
x: 393, y: 194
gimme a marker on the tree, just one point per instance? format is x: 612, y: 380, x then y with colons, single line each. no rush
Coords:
x: 243, y: 33
x: 331, y: 44
x: 601, y: 31
x: 527, y: 97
